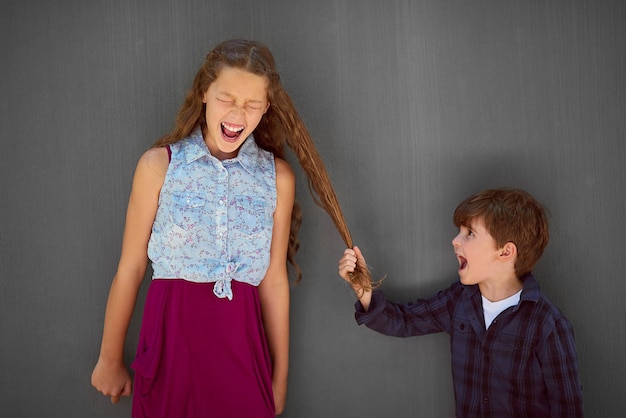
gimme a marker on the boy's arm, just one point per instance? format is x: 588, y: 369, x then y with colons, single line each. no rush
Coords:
x: 560, y: 371
x: 424, y: 316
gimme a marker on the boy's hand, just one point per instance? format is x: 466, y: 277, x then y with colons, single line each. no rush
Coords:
x: 347, y: 265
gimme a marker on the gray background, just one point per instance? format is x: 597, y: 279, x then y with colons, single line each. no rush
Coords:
x: 414, y: 105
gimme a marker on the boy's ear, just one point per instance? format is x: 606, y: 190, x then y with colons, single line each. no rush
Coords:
x: 508, y: 251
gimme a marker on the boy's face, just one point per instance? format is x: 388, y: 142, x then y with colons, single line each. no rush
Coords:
x: 477, y: 253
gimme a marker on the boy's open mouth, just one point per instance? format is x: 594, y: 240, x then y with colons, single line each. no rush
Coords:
x: 230, y: 132
x: 462, y: 262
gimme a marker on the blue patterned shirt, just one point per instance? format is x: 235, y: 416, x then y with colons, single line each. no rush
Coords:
x: 524, y: 365
x: 214, y: 219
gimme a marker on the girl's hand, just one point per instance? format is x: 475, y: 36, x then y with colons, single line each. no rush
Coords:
x: 112, y: 380
x: 280, y: 397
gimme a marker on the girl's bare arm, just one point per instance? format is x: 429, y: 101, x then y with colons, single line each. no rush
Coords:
x: 274, y: 289
x: 110, y: 375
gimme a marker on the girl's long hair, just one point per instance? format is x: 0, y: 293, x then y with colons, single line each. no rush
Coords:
x: 280, y: 125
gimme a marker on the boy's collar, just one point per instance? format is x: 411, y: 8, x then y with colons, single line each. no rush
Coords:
x: 531, y: 290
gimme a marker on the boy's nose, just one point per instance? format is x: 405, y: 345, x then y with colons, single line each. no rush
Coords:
x: 455, y: 241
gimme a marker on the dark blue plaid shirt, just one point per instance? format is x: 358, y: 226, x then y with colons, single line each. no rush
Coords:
x: 524, y: 365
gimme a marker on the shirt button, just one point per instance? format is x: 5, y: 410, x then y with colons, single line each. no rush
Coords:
x: 221, y: 201
x: 485, y: 401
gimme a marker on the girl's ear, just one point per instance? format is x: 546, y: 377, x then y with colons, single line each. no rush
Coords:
x: 266, y: 107
x: 508, y: 251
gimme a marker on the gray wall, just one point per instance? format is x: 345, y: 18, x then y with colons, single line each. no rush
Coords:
x: 414, y: 105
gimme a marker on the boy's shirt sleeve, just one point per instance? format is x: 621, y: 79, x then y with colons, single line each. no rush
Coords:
x: 424, y: 316
x: 560, y: 371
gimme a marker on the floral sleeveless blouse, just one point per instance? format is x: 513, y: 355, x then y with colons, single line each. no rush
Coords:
x: 214, y: 219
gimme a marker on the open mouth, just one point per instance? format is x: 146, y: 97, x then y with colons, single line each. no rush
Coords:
x: 462, y: 262
x: 231, y: 133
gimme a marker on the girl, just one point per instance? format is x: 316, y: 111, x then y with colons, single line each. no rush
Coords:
x: 212, y: 206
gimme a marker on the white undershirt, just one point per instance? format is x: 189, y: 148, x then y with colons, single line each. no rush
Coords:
x: 493, y: 309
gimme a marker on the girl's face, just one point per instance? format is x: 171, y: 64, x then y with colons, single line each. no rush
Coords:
x: 235, y: 103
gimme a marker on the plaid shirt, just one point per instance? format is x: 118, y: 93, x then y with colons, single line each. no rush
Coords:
x: 524, y: 365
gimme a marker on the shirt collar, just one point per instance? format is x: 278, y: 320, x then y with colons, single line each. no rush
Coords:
x: 249, y: 156
x: 531, y: 291
x: 196, y: 147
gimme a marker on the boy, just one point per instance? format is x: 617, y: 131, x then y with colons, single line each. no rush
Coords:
x: 513, y: 352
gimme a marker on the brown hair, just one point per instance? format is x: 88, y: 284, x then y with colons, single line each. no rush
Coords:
x: 280, y: 125
x: 509, y: 215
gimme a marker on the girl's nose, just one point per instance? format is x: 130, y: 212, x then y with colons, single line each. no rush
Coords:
x: 238, y: 110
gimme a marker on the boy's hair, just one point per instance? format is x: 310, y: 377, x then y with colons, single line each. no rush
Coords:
x: 509, y: 215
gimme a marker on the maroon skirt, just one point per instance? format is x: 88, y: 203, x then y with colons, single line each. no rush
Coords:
x: 200, y: 356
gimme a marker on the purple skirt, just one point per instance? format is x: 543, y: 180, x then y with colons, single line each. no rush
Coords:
x: 200, y: 356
